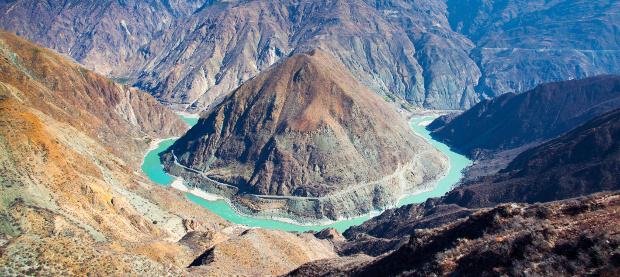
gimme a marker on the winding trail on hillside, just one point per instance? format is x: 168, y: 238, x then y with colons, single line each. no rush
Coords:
x: 396, y: 174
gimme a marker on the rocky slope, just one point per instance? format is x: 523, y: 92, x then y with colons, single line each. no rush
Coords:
x: 117, y: 116
x: 308, y: 130
x: 436, y: 54
x: 72, y: 199
x: 401, y: 50
x: 573, y: 238
x: 101, y: 34
x: 259, y: 252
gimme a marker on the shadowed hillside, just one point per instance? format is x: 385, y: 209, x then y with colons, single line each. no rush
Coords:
x: 580, y: 162
x: 495, y: 131
x: 573, y: 238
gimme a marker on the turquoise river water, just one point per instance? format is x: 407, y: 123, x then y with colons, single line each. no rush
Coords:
x: 152, y: 167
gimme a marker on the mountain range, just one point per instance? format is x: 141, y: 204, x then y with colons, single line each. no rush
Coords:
x: 101, y: 35
x: 434, y: 54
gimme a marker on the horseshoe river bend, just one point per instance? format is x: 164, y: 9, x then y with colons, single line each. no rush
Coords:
x: 152, y: 167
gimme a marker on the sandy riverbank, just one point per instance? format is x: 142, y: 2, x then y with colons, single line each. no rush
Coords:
x: 425, y: 123
x: 152, y: 146
x: 188, y: 115
x: 178, y: 184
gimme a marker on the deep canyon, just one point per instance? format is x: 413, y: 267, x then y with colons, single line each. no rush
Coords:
x: 303, y: 131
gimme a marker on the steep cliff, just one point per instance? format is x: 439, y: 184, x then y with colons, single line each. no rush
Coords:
x: 100, y: 34
x: 309, y: 130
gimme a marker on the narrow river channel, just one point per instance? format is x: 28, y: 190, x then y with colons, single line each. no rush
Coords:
x: 152, y: 167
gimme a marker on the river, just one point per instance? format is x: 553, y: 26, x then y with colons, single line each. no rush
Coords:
x: 152, y: 167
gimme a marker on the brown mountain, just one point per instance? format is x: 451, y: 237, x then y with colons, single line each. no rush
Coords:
x: 308, y: 128
x: 71, y: 144
x: 73, y: 200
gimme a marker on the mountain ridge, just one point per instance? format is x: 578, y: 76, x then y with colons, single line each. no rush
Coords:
x: 432, y: 54
x: 495, y: 131
x: 574, y: 237
x: 577, y: 163
x: 101, y: 34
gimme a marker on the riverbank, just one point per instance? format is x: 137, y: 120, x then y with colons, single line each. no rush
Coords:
x: 422, y: 174
x: 457, y: 164
x: 153, y: 146
x: 233, y: 213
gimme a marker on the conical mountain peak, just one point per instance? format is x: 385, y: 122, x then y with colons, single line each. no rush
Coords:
x: 305, y: 128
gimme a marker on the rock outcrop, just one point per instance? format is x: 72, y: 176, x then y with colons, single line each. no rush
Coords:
x: 307, y: 141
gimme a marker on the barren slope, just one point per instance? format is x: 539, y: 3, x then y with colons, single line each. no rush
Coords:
x: 101, y: 34
x: 308, y: 128
x: 70, y: 146
x: 73, y: 200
